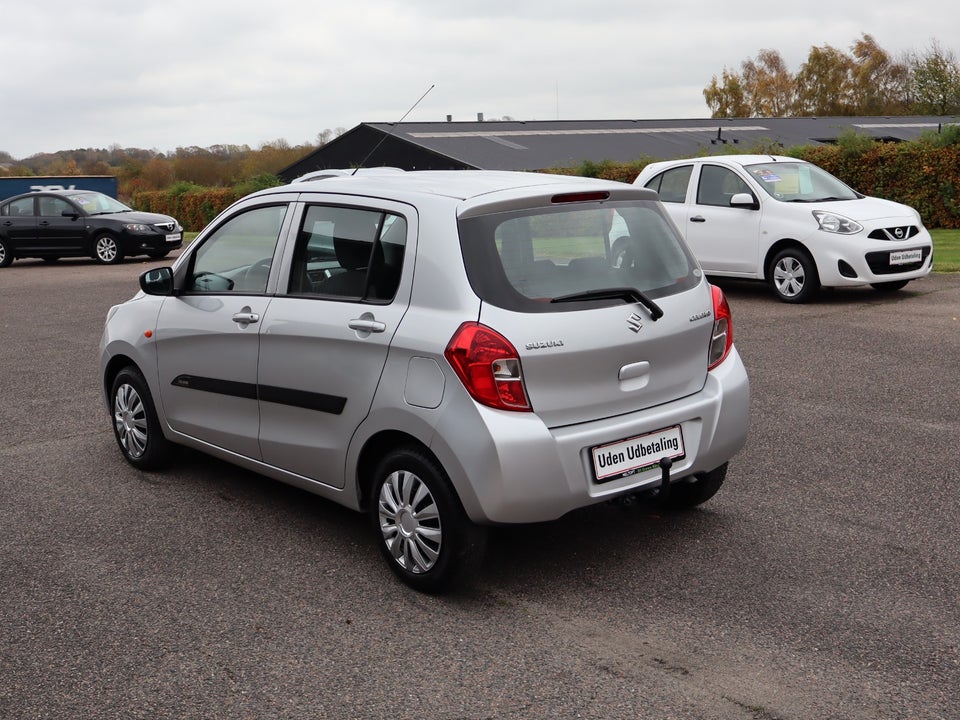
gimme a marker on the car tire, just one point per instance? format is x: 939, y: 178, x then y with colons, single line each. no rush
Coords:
x: 422, y: 530
x: 106, y: 250
x: 686, y: 495
x: 135, y: 424
x: 793, y: 276
x: 6, y: 254
x: 891, y: 286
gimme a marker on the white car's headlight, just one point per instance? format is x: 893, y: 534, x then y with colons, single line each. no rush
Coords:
x: 833, y: 223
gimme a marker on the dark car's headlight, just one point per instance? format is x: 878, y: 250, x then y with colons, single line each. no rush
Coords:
x: 137, y: 228
x: 833, y: 223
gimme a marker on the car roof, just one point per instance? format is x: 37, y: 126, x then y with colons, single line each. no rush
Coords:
x: 457, y: 184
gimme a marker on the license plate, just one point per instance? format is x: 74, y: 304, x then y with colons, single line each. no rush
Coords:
x: 904, y: 257
x: 174, y: 237
x: 636, y: 454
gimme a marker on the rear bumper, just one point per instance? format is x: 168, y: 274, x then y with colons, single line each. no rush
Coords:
x: 510, y: 468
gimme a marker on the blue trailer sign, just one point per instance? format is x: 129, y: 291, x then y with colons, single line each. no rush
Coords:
x: 10, y: 186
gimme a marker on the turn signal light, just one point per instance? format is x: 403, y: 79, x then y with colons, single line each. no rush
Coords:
x: 488, y: 366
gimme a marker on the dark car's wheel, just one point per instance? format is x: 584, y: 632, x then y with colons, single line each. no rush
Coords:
x: 685, y: 495
x: 423, y: 532
x: 106, y: 250
x: 6, y: 254
x: 892, y: 286
x: 793, y: 276
x: 135, y: 422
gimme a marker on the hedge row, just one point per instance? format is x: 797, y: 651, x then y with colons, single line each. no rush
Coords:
x: 194, y: 209
x: 916, y: 174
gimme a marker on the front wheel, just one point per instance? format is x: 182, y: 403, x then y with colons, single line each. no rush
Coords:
x: 106, y: 250
x: 425, y: 536
x: 793, y: 276
x: 892, y: 286
x: 135, y: 423
x: 6, y: 254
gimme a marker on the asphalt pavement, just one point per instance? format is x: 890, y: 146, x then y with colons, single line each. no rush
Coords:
x: 823, y: 581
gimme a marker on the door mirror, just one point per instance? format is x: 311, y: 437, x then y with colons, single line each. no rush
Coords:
x: 157, y: 282
x: 744, y: 200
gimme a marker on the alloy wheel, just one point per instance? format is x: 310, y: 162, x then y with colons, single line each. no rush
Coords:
x: 409, y: 521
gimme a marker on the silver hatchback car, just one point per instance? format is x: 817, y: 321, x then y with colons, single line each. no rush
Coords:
x: 443, y: 350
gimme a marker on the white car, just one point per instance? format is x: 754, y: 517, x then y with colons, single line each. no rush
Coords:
x: 790, y: 223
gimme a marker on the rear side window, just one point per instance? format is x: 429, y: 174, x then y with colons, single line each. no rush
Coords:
x: 349, y: 253
x: 671, y: 185
x: 523, y: 260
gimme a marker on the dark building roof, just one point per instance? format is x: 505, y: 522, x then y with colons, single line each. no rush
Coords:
x: 543, y: 144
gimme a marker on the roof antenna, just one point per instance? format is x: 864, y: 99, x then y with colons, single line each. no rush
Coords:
x: 384, y: 138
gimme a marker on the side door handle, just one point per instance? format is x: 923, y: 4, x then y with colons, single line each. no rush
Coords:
x: 245, y: 317
x: 367, y: 325
x: 698, y: 218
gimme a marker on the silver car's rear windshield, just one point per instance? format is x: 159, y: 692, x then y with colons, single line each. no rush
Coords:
x: 522, y: 260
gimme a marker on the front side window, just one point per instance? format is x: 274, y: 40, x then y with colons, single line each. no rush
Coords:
x: 718, y: 185
x: 537, y: 260
x: 351, y: 253
x: 238, y: 255
x: 54, y: 207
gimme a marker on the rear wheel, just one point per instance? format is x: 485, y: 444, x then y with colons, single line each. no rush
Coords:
x: 423, y: 532
x: 6, y: 254
x: 892, y: 286
x: 686, y: 495
x: 106, y: 250
x: 793, y: 276
x: 135, y: 423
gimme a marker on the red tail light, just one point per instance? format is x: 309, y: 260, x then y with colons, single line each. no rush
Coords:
x: 488, y: 366
x: 722, y: 339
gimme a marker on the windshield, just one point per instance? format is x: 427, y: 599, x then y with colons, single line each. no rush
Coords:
x: 799, y: 182
x: 551, y: 259
x: 94, y: 203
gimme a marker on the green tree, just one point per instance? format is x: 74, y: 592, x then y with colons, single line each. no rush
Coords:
x: 824, y: 84
x: 936, y: 81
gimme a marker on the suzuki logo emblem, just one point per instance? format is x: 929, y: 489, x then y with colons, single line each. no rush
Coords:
x: 635, y: 322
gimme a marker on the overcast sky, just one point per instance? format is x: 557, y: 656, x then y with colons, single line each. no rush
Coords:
x: 180, y: 73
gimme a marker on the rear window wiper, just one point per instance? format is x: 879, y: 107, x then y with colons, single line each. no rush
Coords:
x: 627, y: 294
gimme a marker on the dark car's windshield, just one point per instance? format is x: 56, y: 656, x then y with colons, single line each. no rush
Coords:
x: 527, y: 259
x: 799, y: 182
x: 94, y: 203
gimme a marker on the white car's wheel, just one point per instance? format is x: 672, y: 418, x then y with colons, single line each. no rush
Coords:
x: 793, y: 276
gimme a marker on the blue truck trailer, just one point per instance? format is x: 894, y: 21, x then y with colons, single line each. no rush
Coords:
x: 10, y: 186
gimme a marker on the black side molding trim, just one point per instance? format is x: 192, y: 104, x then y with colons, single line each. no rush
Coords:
x: 320, y: 402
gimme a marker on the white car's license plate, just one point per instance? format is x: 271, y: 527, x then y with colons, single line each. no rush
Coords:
x: 903, y: 257
x: 626, y: 457
x: 174, y: 237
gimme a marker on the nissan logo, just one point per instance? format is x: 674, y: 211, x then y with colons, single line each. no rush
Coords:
x: 898, y: 233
